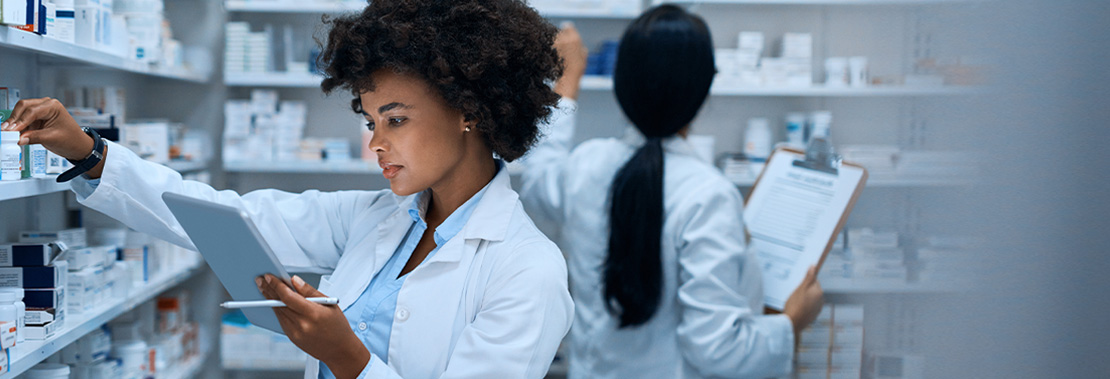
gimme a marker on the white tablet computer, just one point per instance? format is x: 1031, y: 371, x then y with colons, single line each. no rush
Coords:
x: 233, y: 248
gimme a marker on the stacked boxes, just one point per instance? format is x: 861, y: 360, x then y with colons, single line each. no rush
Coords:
x: 746, y: 66
x: 833, y: 346
x: 258, y: 130
x: 246, y: 51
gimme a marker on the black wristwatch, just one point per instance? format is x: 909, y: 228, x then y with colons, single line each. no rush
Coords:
x: 82, y: 166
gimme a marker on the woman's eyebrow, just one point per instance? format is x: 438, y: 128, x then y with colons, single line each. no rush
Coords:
x: 391, y: 106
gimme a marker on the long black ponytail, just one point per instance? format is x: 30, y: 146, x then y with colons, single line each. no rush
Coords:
x: 663, y: 74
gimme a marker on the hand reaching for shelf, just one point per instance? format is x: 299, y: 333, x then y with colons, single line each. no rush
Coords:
x: 569, y: 45
x: 46, y: 122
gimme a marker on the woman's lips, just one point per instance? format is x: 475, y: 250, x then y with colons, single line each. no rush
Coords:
x: 389, y: 171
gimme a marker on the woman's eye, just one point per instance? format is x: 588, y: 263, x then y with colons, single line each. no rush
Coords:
x: 396, y: 121
x: 370, y: 126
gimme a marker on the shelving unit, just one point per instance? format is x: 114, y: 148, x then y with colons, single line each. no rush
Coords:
x: 287, y: 6
x: 600, y: 83
x: 272, y: 79
x: 841, y: 286
x: 186, y: 167
x: 27, y: 354
x: 188, y: 369
x: 31, y: 187
x: 59, y: 52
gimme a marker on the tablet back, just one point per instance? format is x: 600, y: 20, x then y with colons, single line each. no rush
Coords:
x: 233, y: 248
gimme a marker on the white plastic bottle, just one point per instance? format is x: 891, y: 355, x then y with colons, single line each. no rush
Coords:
x: 758, y: 139
x: 48, y: 371
x: 796, y: 129
x: 9, y: 312
x: 11, y: 156
x: 21, y: 312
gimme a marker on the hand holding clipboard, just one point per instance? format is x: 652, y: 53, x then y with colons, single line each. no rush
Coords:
x: 797, y: 207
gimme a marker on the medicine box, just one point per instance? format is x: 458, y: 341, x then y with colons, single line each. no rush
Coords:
x: 13, y: 12
x: 84, y: 288
x: 44, y: 297
x: 5, y: 359
x: 43, y: 316
x: 8, y: 332
x: 41, y: 332
x: 72, y: 238
x: 19, y: 255
x: 97, y: 256
x: 33, y: 277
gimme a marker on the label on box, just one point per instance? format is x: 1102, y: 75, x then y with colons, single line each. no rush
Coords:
x: 43, y: 276
x: 40, y: 316
x: 42, y: 332
x: 25, y: 255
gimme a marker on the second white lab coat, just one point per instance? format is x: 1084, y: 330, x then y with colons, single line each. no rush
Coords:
x: 491, y: 303
x: 709, y: 322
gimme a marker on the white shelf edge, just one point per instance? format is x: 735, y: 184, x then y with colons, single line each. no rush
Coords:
x: 602, y: 83
x: 28, y: 354
x: 272, y: 79
x: 353, y: 166
x: 313, y: 7
x: 294, y: 6
x: 187, y: 166
x: 19, y: 189
x: 18, y: 39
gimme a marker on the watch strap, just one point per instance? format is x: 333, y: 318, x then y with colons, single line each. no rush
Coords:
x: 84, y: 165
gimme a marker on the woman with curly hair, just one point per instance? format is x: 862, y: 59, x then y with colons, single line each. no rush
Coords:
x: 444, y: 275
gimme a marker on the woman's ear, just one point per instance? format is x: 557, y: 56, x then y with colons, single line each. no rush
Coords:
x: 469, y: 123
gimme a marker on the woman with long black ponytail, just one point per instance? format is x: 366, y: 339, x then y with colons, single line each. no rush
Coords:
x: 662, y: 284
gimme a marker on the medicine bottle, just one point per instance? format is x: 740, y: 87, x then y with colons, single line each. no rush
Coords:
x: 21, y: 311
x: 9, y: 312
x: 11, y: 156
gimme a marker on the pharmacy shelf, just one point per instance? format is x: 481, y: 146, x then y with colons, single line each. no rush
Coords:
x: 600, y: 83
x: 188, y: 369
x: 304, y: 167
x: 892, y: 182
x: 26, y: 355
x: 185, y: 167
x: 319, y: 167
x: 59, y: 52
x: 816, y: 2
x: 841, y: 286
x: 272, y: 79
x: 315, y: 7
x: 289, y: 6
x: 31, y: 187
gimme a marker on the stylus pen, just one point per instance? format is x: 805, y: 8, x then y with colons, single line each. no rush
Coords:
x: 275, y: 303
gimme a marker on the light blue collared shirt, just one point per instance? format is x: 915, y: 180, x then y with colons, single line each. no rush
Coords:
x: 371, y: 316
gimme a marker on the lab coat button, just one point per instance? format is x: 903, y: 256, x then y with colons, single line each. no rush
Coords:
x: 402, y: 314
x: 362, y: 326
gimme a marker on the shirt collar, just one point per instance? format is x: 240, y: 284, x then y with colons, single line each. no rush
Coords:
x: 674, y: 144
x: 454, y: 223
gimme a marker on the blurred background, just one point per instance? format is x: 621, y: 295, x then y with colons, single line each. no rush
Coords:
x: 978, y: 248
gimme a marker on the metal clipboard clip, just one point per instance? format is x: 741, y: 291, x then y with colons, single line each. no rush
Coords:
x: 820, y: 157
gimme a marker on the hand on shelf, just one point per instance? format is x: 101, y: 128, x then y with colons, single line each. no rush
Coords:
x: 573, y: 53
x: 46, y: 121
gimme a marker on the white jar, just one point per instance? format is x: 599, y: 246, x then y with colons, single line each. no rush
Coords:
x: 21, y: 312
x: 48, y: 371
x: 134, y: 355
x: 11, y: 156
x: 836, y: 72
x: 9, y: 315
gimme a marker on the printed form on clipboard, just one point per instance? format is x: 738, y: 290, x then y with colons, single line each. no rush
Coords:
x: 796, y: 209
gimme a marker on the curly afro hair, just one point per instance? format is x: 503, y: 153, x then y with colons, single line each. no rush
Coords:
x: 490, y: 59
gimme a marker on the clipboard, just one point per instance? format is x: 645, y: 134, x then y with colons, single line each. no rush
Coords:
x: 797, y: 207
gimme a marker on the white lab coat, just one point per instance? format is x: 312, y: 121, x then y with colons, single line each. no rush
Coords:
x: 709, y: 322
x: 491, y: 303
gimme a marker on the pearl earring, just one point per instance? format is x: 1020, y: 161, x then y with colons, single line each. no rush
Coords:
x: 467, y: 129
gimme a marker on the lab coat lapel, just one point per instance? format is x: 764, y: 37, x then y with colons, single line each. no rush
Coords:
x: 359, y: 272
